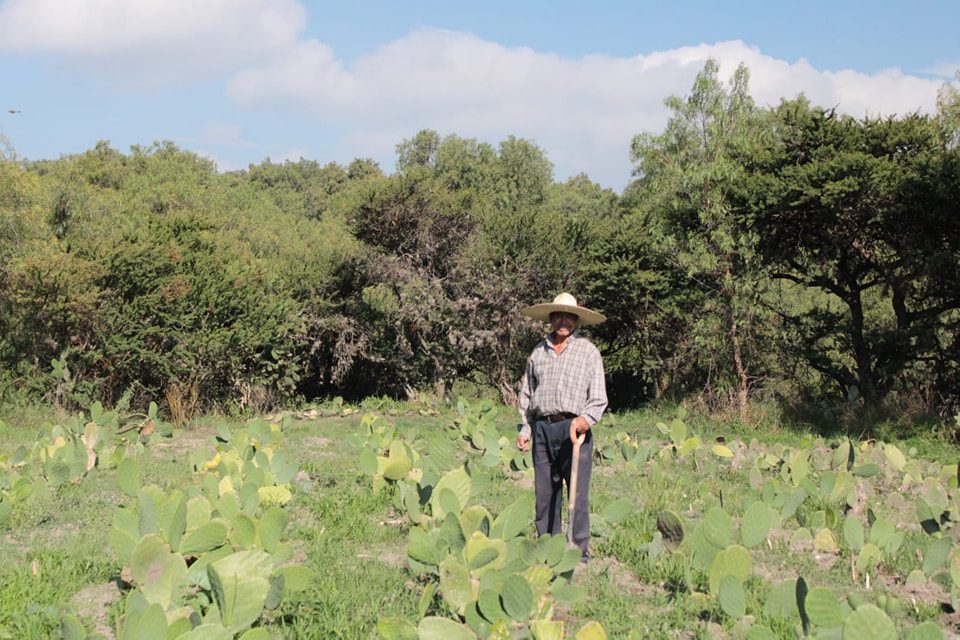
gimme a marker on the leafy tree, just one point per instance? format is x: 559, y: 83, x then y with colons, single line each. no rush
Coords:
x: 688, y: 177
x: 865, y: 212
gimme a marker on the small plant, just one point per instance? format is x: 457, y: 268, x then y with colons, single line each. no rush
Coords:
x: 208, y: 561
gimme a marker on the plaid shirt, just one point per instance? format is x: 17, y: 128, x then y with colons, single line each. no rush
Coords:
x: 568, y: 382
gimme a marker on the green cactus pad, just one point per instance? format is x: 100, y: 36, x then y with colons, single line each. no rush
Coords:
x: 926, y: 631
x: 128, y: 477
x: 490, y: 607
x: 760, y: 632
x: 824, y: 541
x: 867, y: 470
x: 435, y: 628
x: 451, y: 535
x: 512, y: 520
x: 157, y: 572
x: 173, y: 518
x: 275, y: 593
x: 567, y: 593
x: 475, y: 518
x: 140, y: 625
x: 485, y: 554
x: 456, y: 481
x: 593, y: 630
x: 569, y: 561
x: 208, y: 631
x: 368, y: 462
x: 398, y: 465
x: 71, y: 628
x: 718, y: 527
x: 792, y: 503
x: 782, y: 601
x: 296, y: 577
x: 455, y: 585
x: 823, y: 608
x: 547, y: 629
x: 517, y: 597
x: 151, y: 500
x: 869, y: 557
x: 935, y: 555
x: 895, y: 457
x: 552, y: 548
x: 869, y: 623
x: 853, y: 534
x: 426, y: 599
x: 882, y: 532
x: 125, y: 534
x: 755, y: 525
x: 733, y: 601
x: 243, y: 534
x: 422, y: 547
x: 702, y: 552
x: 270, y: 528
x: 670, y: 527
x: 228, y: 505
x: 208, y: 537
x: 617, y: 510
x: 283, y: 468
x: 239, y: 589
x: 396, y: 629
x: 199, y: 512
x: 475, y: 620
x: 733, y: 561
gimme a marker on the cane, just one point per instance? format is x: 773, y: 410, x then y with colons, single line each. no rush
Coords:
x: 572, y: 498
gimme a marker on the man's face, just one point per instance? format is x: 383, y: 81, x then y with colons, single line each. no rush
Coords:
x: 562, y: 324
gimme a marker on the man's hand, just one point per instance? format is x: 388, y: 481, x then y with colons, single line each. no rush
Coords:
x: 523, y: 442
x: 578, y: 429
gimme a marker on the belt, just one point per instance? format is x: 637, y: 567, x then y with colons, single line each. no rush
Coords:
x: 558, y: 417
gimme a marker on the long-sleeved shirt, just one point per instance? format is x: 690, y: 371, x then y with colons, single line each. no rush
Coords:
x: 567, y: 382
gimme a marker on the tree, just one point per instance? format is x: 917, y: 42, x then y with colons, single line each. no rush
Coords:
x: 864, y: 211
x: 688, y: 176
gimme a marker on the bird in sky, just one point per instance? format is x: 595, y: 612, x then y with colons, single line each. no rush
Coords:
x: 13, y: 111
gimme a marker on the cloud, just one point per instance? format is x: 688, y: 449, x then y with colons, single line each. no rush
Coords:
x: 582, y: 111
x: 151, y: 42
x: 946, y: 70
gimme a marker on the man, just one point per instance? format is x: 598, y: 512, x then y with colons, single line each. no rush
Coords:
x: 562, y: 395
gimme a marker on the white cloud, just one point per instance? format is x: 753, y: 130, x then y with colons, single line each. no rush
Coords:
x: 583, y: 111
x: 946, y: 70
x: 151, y: 42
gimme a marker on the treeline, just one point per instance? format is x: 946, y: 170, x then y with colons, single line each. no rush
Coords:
x: 787, y: 253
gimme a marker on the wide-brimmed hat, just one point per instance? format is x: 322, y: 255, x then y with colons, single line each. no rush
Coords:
x: 566, y: 303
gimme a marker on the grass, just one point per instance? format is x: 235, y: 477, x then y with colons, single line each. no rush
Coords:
x: 55, y: 546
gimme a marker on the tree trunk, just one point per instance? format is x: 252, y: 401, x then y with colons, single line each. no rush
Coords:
x: 743, y: 380
x: 509, y: 394
x: 861, y: 352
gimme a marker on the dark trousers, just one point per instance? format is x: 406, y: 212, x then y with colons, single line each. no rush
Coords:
x: 552, y: 455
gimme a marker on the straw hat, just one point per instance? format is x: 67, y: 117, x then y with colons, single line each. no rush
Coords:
x: 566, y: 303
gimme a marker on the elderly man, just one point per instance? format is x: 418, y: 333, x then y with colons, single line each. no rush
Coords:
x: 562, y: 395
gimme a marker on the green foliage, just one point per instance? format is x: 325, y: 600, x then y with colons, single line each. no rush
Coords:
x: 487, y: 570
x: 759, y: 252
x: 230, y: 528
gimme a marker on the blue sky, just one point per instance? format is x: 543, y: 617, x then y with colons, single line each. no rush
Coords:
x: 242, y: 80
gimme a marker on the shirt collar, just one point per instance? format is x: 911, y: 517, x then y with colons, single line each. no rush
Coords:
x: 573, y: 337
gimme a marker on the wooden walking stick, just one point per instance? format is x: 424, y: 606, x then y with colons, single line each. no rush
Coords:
x: 572, y: 497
